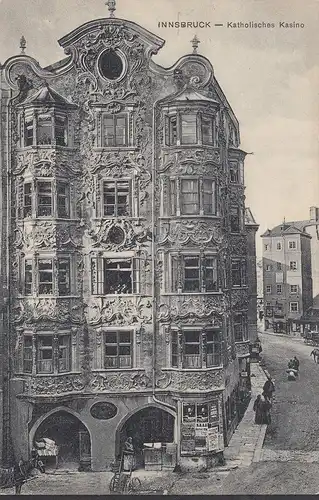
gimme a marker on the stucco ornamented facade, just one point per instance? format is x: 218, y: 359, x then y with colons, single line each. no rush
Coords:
x: 126, y: 265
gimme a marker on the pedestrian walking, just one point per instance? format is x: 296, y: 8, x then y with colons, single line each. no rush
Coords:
x: 269, y: 387
x: 258, y: 410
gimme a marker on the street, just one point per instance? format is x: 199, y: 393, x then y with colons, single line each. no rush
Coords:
x: 289, y: 460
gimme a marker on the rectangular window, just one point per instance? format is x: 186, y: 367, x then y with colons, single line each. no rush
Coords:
x: 279, y: 289
x: 189, y: 196
x: 45, y: 277
x: 27, y: 199
x: 64, y: 276
x: 64, y: 353
x: 207, y: 130
x: 234, y: 220
x: 119, y: 276
x: 189, y: 129
x: 209, y: 198
x: 213, y: 348
x: 27, y: 354
x: 118, y: 350
x: 292, y: 245
x: 45, y: 354
x: 293, y: 288
x: 239, y: 277
x: 28, y: 132
x: 114, y: 130
x: 234, y: 173
x: 192, y: 349
x: 172, y: 123
x: 63, y: 200
x: 266, y: 246
x: 116, y: 198
x: 60, y: 132
x: 200, y: 274
x: 174, y: 349
x: 239, y: 327
x: 268, y: 288
x: 279, y: 247
x: 279, y: 266
x: 293, y: 265
x: 294, y: 307
x: 44, y: 130
x: 28, y: 277
x: 268, y: 267
x: 44, y: 206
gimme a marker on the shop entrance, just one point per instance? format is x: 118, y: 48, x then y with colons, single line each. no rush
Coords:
x: 63, y: 442
x: 150, y: 428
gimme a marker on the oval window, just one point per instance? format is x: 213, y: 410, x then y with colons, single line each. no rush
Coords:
x: 110, y: 65
x: 103, y: 410
x: 116, y: 235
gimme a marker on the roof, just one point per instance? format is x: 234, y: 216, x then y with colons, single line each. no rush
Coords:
x: 294, y: 227
x: 189, y: 94
x: 46, y: 95
x: 249, y: 218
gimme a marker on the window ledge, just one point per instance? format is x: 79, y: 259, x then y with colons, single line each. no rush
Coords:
x: 172, y: 294
x: 189, y: 146
x: 46, y: 218
x: 49, y: 296
x: 210, y: 368
x: 37, y: 375
x: 115, y: 148
x: 187, y: 217
x: 110, y: 295
x: 117, y: 370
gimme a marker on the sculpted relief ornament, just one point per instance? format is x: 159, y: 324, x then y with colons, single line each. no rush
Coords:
x: 47, y: 309
x: 119, y: 311
x: 180, y: 308
x: 183, y: 233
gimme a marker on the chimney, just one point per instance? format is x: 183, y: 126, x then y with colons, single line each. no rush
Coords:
x: 314, y: 214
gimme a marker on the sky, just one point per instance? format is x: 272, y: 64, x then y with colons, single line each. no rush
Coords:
x: 269, y: 76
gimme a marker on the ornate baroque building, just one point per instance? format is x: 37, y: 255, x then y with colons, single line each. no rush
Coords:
x: 125, y: 303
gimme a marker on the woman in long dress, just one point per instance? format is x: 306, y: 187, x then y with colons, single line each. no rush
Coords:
x: 258, y: 410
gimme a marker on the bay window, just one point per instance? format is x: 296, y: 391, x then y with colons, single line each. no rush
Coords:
x: 200, y: 348
x: 192, y: 196
x: 63, y: 265
x: 239, y: 271
x: 194, y: 273
x: 53, y: 353
x: 45, y: 354
x: 49, y: 129
x: 190, y: 128
x: 118, y: 349
x: 45, y: 276
x: 28, y: 276
x: 39, y: 199
x: 64, y: 348
x: 27, y: 354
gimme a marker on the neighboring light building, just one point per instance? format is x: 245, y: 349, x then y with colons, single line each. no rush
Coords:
x: 287, y: 276
x: 130, y: 312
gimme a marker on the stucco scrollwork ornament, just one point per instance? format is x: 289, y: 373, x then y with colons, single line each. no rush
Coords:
x: 41, y: 235
x: 183, y: 233
x: 119, y: 311
x: 180, y: 308
x: 120, y: 234
x: 197, y: 381
x: 200, y: 161
x: 36, y: 162
x: 163, y: 379
x: 197, y: 72
x: 35, y: 310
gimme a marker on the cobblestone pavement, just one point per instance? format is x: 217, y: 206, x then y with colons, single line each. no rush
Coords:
x: 288, y: 462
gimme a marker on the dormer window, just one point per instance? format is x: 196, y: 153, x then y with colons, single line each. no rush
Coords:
x: 190, y: 128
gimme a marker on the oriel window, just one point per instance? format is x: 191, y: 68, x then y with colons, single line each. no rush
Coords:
x: 45, y: 354
x: 189, y: 129
x: 209, y: 198
x: 192, y: 349
x: 63, y: 200
x: 172, y: 123
x: 45, y: 277
x: 207, y: 130
x: 28, y: 132
x: 27, y: 199
x: 174, y: 349
x: 27, y: 354
x: 63, y: 276
x: 44, y: 205
x: 191, y: 274
x: 64, y: 353
x: 28, y: 277
x: 60, y: 131
x: 44, y: 130
x: 189, y: 196
x: 213, y: 348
